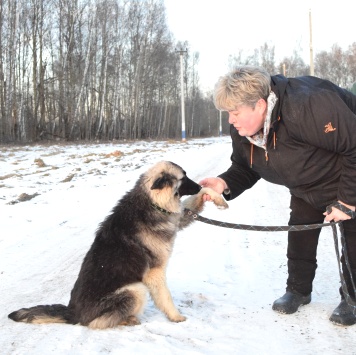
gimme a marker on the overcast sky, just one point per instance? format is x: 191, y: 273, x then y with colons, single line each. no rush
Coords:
x: 217, y: 29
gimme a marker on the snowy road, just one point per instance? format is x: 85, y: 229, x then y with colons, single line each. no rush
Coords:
x: 223, y: 280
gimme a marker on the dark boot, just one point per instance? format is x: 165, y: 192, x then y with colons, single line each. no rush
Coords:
x: 343, y: 315
x: 290, y: 302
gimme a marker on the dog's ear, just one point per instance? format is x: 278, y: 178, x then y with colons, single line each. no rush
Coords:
x: 163, y: 181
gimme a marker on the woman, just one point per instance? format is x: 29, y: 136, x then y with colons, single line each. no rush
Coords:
x: 300, y: 133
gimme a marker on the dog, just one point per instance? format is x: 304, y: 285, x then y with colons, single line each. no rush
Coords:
x: 129, y: 254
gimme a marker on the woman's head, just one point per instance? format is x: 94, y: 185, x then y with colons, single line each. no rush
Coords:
x: 243, y: 86
x: 243, y: 93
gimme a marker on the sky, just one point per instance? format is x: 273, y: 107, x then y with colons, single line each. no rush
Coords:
x: 217, y: 29
x: 223, y: 280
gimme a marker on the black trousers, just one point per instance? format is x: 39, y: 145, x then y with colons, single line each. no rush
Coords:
x: 302, y: 248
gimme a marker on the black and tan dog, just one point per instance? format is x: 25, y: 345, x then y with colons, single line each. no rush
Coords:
x: 130, y: 254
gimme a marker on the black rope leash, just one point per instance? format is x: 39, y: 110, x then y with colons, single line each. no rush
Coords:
x: 300, y: 227
x: 351, y: 302
x: 249, y: 227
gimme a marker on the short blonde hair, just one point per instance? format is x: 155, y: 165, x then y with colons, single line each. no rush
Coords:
x: 244, y: 85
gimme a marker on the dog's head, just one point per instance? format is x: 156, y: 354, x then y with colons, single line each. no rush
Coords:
x: 170, y: 176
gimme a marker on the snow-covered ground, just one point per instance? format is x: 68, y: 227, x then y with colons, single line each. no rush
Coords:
x: 53, y: 197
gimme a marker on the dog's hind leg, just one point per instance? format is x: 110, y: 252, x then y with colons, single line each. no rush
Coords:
x: 121, y: 307
x: 155, y: 280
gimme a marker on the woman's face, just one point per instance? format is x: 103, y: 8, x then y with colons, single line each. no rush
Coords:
x: 248, y: 120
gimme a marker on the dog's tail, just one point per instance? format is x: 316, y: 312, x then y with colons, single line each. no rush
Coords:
x: 55, y: 313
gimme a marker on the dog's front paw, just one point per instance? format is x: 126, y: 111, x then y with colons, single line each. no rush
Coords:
x: 218, y: 200
x: 178, y: 318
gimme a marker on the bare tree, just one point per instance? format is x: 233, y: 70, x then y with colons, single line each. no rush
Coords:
x: 332, y: 66
x: 351, y: 62
x: 267, y: 58
x: 108, y: 69
x: 293, y: 66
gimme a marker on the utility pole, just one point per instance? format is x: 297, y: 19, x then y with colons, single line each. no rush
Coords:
x: 311, y: 44
x: 181, y: 52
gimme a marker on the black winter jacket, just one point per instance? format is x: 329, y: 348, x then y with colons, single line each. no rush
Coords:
x: 311, y: 145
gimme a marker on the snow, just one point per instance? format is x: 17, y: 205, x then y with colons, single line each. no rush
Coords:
x: 223, y: 280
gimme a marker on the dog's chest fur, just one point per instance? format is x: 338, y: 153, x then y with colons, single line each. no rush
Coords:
x: 160, y: 239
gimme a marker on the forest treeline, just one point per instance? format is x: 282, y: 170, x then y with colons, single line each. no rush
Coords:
x: 110, y: 69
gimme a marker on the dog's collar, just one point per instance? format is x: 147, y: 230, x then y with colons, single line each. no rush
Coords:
x: 160, y: 209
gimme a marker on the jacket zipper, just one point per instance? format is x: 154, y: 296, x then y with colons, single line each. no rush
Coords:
x: 266, y: 151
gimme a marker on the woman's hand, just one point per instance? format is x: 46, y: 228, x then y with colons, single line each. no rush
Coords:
x: 336, y: 215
